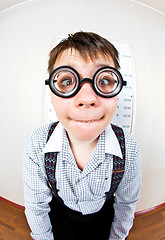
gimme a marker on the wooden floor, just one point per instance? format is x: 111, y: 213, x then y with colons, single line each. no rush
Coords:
x: 149, y: 226
x: 13, y: 225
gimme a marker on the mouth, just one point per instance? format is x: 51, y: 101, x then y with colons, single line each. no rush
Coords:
x: 88, y: 121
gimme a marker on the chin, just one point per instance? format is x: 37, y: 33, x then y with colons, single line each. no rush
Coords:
x: 87, y: 135
x: 85, y: 131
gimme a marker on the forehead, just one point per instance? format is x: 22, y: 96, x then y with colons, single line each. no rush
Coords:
x: 72, y: 57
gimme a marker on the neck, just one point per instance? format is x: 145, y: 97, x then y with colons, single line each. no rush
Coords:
x: 82, y: 151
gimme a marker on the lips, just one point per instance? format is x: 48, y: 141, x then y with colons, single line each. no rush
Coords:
x: 82, y: 119
x: 87, y: 121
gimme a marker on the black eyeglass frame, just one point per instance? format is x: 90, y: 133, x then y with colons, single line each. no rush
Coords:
x: 92, y: 81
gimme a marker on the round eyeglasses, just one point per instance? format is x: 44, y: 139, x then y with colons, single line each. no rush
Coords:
x: 65, y: 82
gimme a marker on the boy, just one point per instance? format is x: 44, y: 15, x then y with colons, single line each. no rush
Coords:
x: 73, y: 168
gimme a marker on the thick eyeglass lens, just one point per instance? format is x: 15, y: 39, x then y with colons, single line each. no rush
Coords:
x: 106, y: 81
x: 64, y: 81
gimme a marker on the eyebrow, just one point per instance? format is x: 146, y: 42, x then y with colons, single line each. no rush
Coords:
x: 100, y: 65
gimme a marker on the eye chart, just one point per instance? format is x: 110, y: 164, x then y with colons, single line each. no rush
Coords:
x: 123, y: 115
x: 124, y: 111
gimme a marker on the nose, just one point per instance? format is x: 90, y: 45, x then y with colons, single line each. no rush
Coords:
x: 86, y: 97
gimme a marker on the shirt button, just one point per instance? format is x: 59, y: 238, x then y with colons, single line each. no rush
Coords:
x: 77, y: 181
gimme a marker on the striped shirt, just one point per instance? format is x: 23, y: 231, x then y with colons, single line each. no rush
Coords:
x: 82, y: 191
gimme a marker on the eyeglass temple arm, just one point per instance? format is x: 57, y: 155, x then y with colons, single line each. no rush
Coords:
x: 124, y: 83
x: 47, y: 82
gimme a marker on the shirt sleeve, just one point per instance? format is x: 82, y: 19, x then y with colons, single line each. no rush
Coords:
x: 127, y: 193
x: 37, y: 194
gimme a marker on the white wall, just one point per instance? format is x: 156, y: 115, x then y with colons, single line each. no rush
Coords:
x: 26, y: 34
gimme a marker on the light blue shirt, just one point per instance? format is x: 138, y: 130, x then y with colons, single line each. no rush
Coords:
x: 82, y: 191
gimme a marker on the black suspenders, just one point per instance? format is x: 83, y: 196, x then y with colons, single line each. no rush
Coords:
x: 118, y: 164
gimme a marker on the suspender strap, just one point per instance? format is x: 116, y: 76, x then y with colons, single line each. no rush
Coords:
x: 118, y: 163
x: 50, y: 165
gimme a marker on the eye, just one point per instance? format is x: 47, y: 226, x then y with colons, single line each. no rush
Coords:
x: 65, y: 82
x: 104, y: 81
x: 107, y: 80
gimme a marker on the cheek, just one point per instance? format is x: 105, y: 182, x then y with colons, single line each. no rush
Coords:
x: 109, y: 110
x: 56, y: 101
x: 60, y: 105
x: 110, y: 105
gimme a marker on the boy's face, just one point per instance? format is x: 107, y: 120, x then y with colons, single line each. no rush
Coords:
x: 85, y: 115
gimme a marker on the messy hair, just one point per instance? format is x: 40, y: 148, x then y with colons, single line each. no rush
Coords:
x: 88, y: 44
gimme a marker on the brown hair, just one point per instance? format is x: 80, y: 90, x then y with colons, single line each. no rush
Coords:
x: 88, y: 44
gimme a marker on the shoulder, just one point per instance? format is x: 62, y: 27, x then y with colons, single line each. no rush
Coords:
x: 40, y: 132
x: 129, y: 137
x: 133, y: 153
x: 130, y: 140
x: 36, y: 139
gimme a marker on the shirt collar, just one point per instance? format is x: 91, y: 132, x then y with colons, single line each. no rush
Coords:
x: 55, y: 141
x: 112, y: 145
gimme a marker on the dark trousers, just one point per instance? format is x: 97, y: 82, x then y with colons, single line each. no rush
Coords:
x: 72, y: 225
